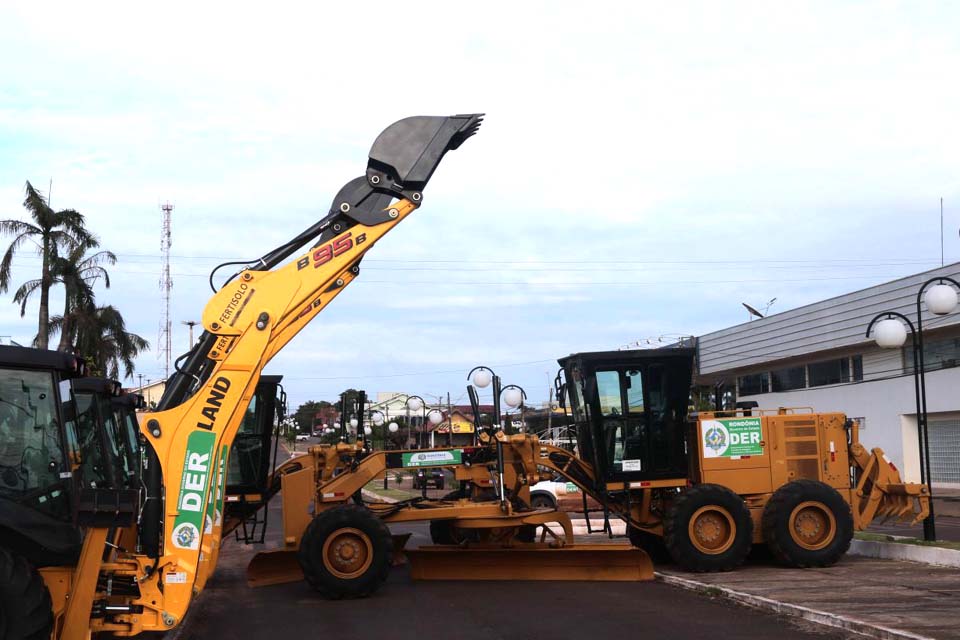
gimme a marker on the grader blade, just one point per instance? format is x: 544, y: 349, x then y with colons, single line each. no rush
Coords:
x: 273, y: 567
x: 602, y: 563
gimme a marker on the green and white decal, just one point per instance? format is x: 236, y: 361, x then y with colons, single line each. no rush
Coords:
x: 221, y: 485
x: 432, y: 458
x: 732, y: 437
x: 194, y: 486
x: 215, y: 498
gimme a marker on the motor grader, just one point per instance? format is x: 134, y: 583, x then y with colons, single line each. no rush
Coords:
x: 704, y: 489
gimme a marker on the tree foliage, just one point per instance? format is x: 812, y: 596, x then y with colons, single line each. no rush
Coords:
x: 53, y: 233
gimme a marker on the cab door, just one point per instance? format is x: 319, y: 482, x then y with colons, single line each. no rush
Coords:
x: 640, y: 409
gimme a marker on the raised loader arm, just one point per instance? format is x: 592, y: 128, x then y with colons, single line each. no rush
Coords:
x: 246, y: 323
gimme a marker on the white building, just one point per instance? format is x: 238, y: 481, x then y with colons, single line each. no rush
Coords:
x: 819, y: 356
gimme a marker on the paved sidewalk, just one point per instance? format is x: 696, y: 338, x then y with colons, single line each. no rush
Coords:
x: 900, y: 596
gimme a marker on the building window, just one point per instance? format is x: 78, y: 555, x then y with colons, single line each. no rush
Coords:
x: 941, y: 354
x: 752, y: 384
x: 937, y: 354
x: 857, y: 368
x: 788, y: 379
x: 829, y: 372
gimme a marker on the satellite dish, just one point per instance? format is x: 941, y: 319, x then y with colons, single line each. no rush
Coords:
x: 753, y: 312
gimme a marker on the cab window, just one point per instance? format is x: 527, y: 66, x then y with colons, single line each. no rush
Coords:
x: 31, y: 455
x: 634, y: 384
x: 93, y: 469
x: 608, y: 392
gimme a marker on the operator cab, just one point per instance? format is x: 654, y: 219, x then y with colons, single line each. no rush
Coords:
x: 125, y: 409
x: 251, y: 464
x: 107, y: 462
x: 38, y: 453
x: 629, y: 410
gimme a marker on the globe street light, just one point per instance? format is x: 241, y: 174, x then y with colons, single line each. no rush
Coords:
x: 890, y: 333
x: 513, y: 397
x: 940, y: 300
x: 416, y: 403
x: 483, y: 377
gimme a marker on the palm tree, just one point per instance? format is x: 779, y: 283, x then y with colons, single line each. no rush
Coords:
x: 102, y: 339
x: 78, y: 273
x: 51, y: 231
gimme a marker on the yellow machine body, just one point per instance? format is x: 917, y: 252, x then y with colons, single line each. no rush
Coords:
x: 794, y: 444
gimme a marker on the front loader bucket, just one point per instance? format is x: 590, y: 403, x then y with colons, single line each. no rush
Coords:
x: 587, y: 562
x: 273, y: 567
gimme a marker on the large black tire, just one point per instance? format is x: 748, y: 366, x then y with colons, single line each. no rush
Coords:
x: 807, y: 523
x: 346, y: 552
x: 649, y: 542
x: 542, y: 500
x: 26, y: 612
x: 708, y: 528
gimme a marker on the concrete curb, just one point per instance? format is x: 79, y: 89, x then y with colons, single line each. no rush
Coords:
x: 901, y: 551
x: 370, y: 495
x: 792, y: 610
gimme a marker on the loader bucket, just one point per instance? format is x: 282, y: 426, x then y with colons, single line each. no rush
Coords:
x: 587, y: 562
x: 405, y: 154
x: 273, y: 567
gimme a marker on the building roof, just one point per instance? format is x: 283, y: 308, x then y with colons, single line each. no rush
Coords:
x: 835, y: 323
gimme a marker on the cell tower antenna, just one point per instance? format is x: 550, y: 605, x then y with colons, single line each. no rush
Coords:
x: 166, y: 283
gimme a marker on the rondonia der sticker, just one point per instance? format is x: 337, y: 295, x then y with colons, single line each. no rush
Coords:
x: 192, y: 501
x: 732, y: 437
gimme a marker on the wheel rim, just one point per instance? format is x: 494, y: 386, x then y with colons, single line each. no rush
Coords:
x: 347, y: 553
x: 812, y: 525
x: 712, y: 529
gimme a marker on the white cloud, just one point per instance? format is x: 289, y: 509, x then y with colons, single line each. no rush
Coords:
x: 645, y: 133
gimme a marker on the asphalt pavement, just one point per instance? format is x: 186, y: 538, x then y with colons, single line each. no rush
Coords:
x: 468, y: 610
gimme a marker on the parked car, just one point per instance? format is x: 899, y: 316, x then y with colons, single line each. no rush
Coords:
x: 302, y: 437
x: 426, y: 477
x: 553, y: 494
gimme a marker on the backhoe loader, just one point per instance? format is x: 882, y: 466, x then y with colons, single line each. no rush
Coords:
x: 70, y: 577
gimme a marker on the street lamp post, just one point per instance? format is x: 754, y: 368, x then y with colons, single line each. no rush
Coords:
x: 416, y: 403
x: 940, y: 300
x: 482, y: 377
x: 889, y: 332
x: 513, y: 397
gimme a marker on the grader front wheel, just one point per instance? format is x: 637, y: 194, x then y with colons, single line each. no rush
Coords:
x: 346, y: 552
x: 709, y: 529
x: 807, y: 523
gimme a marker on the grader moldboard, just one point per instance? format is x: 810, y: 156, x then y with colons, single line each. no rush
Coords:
x: 704, y: 491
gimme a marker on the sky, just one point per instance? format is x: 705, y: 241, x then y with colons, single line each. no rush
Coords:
x: 643, y: 168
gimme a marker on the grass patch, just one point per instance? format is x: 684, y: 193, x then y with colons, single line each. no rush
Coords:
x: 713, y: 592
x: 376, y: 486
x: 880, y: 537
